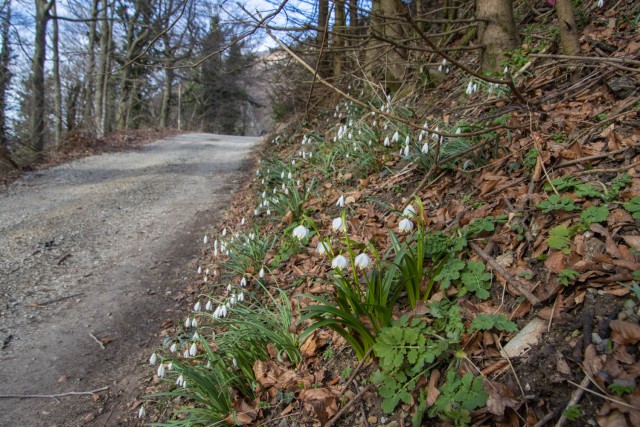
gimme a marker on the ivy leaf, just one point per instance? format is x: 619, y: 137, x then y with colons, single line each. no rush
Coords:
x: 476, y: 279
x: 486, y: 322
x: 450, y: 272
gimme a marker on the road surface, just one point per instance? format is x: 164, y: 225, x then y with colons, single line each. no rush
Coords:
x: 97, y: 250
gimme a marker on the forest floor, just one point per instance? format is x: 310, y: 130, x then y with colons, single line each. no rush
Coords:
x: 95, y: 254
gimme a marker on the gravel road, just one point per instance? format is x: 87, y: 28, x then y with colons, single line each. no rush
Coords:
x: 97, y: 250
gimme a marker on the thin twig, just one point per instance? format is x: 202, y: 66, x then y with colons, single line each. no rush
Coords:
x: 604, y: 396
x: 607, y: 170
x: 354, y: 373
x: 51, y: 396
x: 342, y: 410
x: 575, y: 398
x: 97, y: 340
x: 501, y: 271
x: 586, y: 58
x: 595, y: 157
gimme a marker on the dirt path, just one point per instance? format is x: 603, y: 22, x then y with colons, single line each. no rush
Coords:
x: 101, y: 247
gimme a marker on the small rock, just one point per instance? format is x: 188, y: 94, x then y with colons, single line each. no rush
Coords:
x: 372, y: 419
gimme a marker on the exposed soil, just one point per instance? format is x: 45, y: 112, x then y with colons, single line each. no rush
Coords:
x: 93, y: 254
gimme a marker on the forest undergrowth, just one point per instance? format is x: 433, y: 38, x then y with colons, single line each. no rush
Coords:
x: 373, y: 272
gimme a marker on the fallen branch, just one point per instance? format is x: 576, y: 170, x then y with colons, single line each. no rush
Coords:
x: 97, y: 340
x: 342, y: 410
x: 501, y: 271
x: 595, y: 157
x: 51, y: 396
x: 354, y: 373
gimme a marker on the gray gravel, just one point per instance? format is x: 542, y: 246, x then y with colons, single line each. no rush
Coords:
x: 99, y: 247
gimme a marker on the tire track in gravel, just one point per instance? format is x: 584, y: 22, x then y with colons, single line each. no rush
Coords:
x: 100, y: 246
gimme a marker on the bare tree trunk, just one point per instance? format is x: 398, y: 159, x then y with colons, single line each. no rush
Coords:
x: 166, y: 97
x: 568, y: 28
x: 91, y: 65
x: 372, y: 52
x: 496, y: 31
x: 57, y: 92
x: 5, y: 74
x: 395, y: 63
x: 98, y: 102
x: 321, y: 37
x: 339, y: 27
x: 37, y: 78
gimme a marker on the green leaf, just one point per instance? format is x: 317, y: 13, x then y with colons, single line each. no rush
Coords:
x: 586, y: 190
x: 567, y: 275
x: 475, y: 279
x: 486, y: 322
x: 633, y: 206
x: 555, y: 202
x: 594, y: 214
x: 450, y: 272
x: 559, y: 238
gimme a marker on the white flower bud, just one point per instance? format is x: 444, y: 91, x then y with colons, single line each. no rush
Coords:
x: 173, y: 348
x: 161, y: 370
x: 338, y: 225
x: 362, y: 261
x: 193, y: 350
x: 339, y: 262
x: 300, y: 232
x: 197, y: 306
x: 405, y: 225
x: 153, y: 359
x: 340, y: 202
x: 141, y: 412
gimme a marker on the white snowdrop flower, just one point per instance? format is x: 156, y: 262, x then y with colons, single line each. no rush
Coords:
x: 396, y: 136
x: 600, y: 3
x: 196, y: 336
x: 161, y: 371
x: 232, y: 300
x: 311, y: 155
x: 370, y: 143
x: 215, y: 252
x: 180, y: 381
x: 169, y: 366
x: 298, y: 182
x: 184, y: 384
x: 335, y: 115
x: 234, y: 362
x: 323, y: 247
x: 193, y: 350
x: 362, y: 261
x: 286, y: 191
x: 300, y: 153
x: 440, y: 68
x: 300, y: 232
x: 335, y: 139
x: 386, y: 126
x: 224, y: 231
x: 173, y: 348
x: 458, y: 131
x: 293, y: 162
x: 338, y: 225
x: 264, y: 194
x: 197, y: 306
x: 405, y: 225
x: 199, y: 270
x: 194, y: 323
x: 375, y: 123
x: 268, y: 212
x: 153, y: 359
x: 475, y: 87
x: 208, y: 306
x: 339, y: 262
x: 243, y: 282
x: 185, y: 354
x: 350, y: 136
x: 141, y: 412
x: 261, y: 273
x: 240, y: 297
x: 283, y: 186
x: 386, y: 142
x: 229, y: 287
x: 373, y: 113
x: 425, y: 148
x: 216, y: 313
x: 206, y: 239
x: 255, y: 212
x: 409, y: 212
x: 400, y: 151
x: 406, y: 150
x: 275, y: 189
x: 346, y: 156
x: 242, y: 221
x: 340, y: 202
x: 223, y: 310
x: 187, y: 323
x: 407, y: 140
x: 466, y: 164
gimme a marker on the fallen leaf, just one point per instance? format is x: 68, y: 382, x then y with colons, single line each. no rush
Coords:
x: 500, y: 398
x: 525, y: 339
x: 625, y: 333
x: 633, y: 241
x: 433, y: 392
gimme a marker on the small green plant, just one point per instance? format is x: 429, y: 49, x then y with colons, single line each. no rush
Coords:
x: 633, y: 206
x: 559, y: 239
x: 555, y: 203
x: 573, y: 412
x: 594, y: 214
x: 476, y: 279
x: 485, y: 224
x: 328, y: 354
x: 621, y: 389
x: 247, y: 252
x: 486, y: 322
x: 530, y: 159
x: 459, y: 396
x: 346, y: 372
x: 567, y: 276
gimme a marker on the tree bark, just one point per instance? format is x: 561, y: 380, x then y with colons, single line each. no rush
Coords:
x: 5, y: 74
x: 392, y: 29
x: 339, y: 27
x: 98, y: 101
x: 57, y: 92
x: 37, y: 120
x: 322, y: 38
x: 496, y: 31
x: 166, y: 97
x: 91, y: 66
x: 568, y: 29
